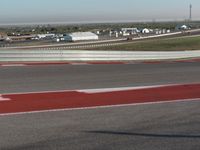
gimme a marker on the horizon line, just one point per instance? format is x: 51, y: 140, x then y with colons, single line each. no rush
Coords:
x: 95, y: 22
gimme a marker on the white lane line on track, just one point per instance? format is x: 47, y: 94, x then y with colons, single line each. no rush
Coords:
x: 106, y: 90
x: 99, y: 107
x: 100, y: 90
x: 3, y: 99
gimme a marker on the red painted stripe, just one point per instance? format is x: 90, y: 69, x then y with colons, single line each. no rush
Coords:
x: 73, y: 99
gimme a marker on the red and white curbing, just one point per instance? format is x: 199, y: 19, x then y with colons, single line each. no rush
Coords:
x: 95, y: 63
x: 3, y: 98
x: 23, y: 103
x: 57, y: 63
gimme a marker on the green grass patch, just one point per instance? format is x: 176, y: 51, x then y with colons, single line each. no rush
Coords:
x: 173, y: 44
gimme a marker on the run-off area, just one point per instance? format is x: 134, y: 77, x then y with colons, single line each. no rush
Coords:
x: 94, y: 98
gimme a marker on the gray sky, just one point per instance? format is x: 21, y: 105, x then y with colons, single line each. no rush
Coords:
x: 70, y: 11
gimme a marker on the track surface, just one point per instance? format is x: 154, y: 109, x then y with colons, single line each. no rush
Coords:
x: 173, y: 126
x: 69, y: 77
x: 156, y: 126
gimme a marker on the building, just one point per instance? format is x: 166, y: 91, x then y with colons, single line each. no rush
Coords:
x: 81, y: 36
x: 44, y: 36
x: 129, y: 31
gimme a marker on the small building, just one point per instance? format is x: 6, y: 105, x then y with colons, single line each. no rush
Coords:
x: 80, y: 36
x: 157, y: 31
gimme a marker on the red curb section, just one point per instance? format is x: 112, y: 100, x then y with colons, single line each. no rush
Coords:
x: 73, y: 99
x: 97, y: 62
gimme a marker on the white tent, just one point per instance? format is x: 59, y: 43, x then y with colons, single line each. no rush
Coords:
x: 184, y: 27
x: 81, y: 36
x: 145, y: 31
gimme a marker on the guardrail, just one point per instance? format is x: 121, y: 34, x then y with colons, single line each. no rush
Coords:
x: 82, y: 55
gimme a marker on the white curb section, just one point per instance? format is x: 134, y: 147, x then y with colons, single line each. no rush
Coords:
x: 4, y: 99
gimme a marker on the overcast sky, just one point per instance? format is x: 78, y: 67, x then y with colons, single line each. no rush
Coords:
x: 70, y: 11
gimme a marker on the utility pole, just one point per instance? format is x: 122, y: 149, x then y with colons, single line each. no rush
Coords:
x: 190, y: 12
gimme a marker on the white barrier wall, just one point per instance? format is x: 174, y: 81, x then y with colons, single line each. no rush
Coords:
x: 78, y: 55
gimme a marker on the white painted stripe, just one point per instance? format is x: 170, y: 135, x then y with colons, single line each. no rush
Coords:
x: 3, y: 99
x: 101, y: 90
x: 106, y: 90
x: 99, y: 107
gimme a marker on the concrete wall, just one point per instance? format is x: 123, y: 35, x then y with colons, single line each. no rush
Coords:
x: 75, y: 55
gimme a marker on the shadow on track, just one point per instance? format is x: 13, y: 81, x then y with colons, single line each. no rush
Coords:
x: 146, y: 134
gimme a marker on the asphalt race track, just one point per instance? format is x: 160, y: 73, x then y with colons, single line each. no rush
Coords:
x: 166, y: 126
x: 72, y: 77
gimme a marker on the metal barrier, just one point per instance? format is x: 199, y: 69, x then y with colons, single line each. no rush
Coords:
x: 82, y: 55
